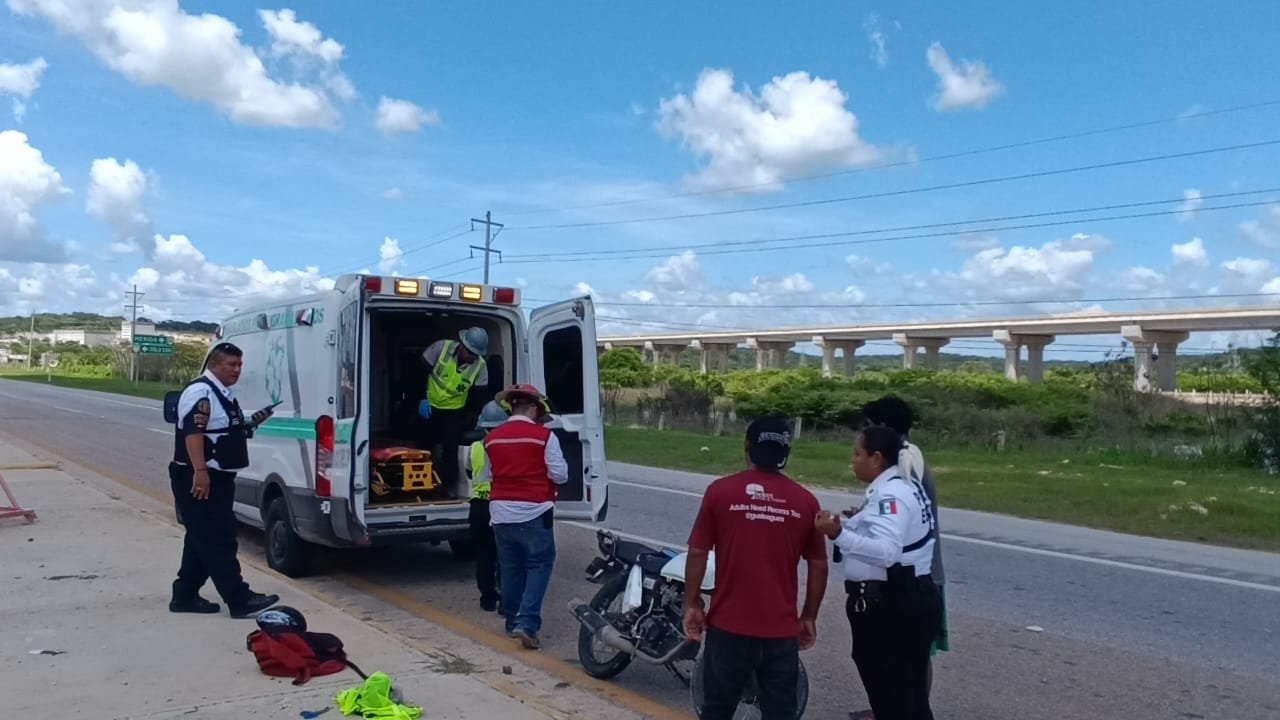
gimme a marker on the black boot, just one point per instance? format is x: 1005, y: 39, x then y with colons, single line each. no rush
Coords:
x: 253, y: 604
x: 193, y: 605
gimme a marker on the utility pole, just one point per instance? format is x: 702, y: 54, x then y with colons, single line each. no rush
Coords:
x: 133, y: 330
x: 31, y: 339
x: 489, y: 236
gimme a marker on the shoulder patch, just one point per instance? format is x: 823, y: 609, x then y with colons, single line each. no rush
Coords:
x: 888, y: 506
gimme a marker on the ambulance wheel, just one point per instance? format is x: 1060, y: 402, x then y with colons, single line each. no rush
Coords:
x: 287, y: 553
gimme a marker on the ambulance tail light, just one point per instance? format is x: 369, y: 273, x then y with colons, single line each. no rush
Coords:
x: 373, y: 284
x: 324, y: 455
x: 504, y: 296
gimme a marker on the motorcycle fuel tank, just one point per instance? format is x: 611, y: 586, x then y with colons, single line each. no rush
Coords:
x: 674, y: 570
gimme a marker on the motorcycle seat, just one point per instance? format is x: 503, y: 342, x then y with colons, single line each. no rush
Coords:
x: 652, y: 563
x: 630, y: 551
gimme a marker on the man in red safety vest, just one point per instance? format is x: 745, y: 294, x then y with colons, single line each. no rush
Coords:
x: 526, y: 464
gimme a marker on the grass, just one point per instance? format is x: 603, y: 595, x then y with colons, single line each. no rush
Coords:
x: 119, y: 386
x: 1181, y: 500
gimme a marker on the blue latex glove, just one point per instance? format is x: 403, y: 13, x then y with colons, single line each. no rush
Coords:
x: 424, y: 409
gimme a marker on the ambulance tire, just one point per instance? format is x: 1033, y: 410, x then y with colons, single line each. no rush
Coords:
x: 287, y: 553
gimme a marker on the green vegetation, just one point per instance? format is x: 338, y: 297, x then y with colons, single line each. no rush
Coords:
x: 119, y: 386
x: 1187, y: 500
x: 47, y: 322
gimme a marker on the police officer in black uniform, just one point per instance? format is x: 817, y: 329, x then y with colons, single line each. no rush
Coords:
x: 210, y: 445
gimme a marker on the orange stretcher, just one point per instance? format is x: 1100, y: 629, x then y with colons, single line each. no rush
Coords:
x: 404, y: 468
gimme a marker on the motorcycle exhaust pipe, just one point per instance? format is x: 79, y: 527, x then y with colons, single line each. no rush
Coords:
x: 614, y: 639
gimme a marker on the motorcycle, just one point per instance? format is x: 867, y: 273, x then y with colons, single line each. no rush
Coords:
x: 638, y: 613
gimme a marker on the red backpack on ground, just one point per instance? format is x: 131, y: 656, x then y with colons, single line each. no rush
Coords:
x: 298, y: 654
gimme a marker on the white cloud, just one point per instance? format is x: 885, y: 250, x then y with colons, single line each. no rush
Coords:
x: 394, y: 193
x: 1055, y: 270
x: 974, y: 242
x: 21, y: 81
x: 966, y: 86
x: 1264, y: 232
x: 1192, y: 202
x: 26, y: 183
x: 116, y: 194
x: 199, y: 57
x: 390, y: 256
x: 680, y: 272
x: 1190, y: 253
x: 288, y: 36
x: 1142, y: 281
x: 1248, y: 272
x: 402, y: 116
x: 875, y: 34
x: 865, y: 265
x: 1273, y: 286
x: 181, y: 276
x: 797, y: 125
x: 1085, y: 241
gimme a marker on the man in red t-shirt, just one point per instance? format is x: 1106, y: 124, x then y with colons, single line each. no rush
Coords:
x: 759, y: 523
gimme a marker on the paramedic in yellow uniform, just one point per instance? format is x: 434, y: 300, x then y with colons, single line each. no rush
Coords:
x: 456, y: 366
x: 486, y: 546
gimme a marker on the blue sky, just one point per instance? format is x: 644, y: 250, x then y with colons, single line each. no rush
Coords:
x: 207, y: 164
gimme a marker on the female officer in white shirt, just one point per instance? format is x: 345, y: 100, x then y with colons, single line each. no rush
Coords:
x: 885, y: 551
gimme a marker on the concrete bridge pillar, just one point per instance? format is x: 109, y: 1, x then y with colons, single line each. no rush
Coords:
x: 829, y: 346
x: 1146, y: 367
x: 714, y: 356
x: 770, y: 354
x: 1013, y: 344
x: 912, y: 344
x: 668, y: 353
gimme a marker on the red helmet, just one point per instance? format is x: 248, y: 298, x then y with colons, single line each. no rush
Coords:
x: 527, y: 392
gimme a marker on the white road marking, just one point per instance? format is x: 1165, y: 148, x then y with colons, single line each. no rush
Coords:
x: 1116, y: 563
x: 157, y: 430
x: 987, y: 543
x: 655, y: 488
x: 628, y: 536
x: 73, y: 410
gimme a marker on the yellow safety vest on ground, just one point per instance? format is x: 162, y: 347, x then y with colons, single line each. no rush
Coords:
x: 479, y: 489
x: 447, y: 389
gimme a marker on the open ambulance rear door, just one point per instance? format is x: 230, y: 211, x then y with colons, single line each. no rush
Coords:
x: 562, y: 363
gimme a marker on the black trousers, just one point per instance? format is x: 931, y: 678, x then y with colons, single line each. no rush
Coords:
x: 209, y: 548
x: 891, y: 637
x: 486, y: 550
x: 441, y: 433
x: 729, y: 661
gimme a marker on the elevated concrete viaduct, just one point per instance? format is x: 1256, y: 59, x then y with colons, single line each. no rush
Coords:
x: 1155, y: 337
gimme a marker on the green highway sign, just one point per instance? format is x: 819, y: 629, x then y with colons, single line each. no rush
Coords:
x: 152, y: 349
x: 152, y: 340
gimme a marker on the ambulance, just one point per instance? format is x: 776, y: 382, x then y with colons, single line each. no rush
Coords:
x: 341, y: 463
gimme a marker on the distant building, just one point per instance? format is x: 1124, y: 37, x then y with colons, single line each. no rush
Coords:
x: 88, y: 338
x: 126, y: 333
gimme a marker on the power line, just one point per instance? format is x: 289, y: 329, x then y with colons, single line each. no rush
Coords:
x: 953, y: 303
x: 893, y: 238
x: 403, y: 252
x: 899, y: 228
x: 912, y: 191
x: 917, y: 161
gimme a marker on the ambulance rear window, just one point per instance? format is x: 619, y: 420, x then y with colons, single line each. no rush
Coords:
x: 562, y: 359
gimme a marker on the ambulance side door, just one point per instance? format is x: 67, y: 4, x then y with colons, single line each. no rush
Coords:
x: 562, y: 363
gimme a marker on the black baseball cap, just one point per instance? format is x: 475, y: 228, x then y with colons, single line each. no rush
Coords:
x: 769, y: 443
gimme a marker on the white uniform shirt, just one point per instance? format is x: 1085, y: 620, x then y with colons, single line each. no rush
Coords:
x: 511, y: 512
x: 896, y: 514
x: 200, y: 398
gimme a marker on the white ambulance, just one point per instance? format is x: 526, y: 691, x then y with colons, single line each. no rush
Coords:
x: 346, y: 367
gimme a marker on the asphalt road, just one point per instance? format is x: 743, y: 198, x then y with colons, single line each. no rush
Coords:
x: 1128, y: 627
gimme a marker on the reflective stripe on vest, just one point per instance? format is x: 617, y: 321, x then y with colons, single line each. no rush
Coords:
x: 479, y: 490
x: 447, y: 389
x: 518, y: 462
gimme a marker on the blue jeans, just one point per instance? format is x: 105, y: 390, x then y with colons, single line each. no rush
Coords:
x: 526, y: 555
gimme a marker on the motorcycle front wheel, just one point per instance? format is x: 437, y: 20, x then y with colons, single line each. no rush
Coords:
x: 598, y: 663
x: 749, y: 705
